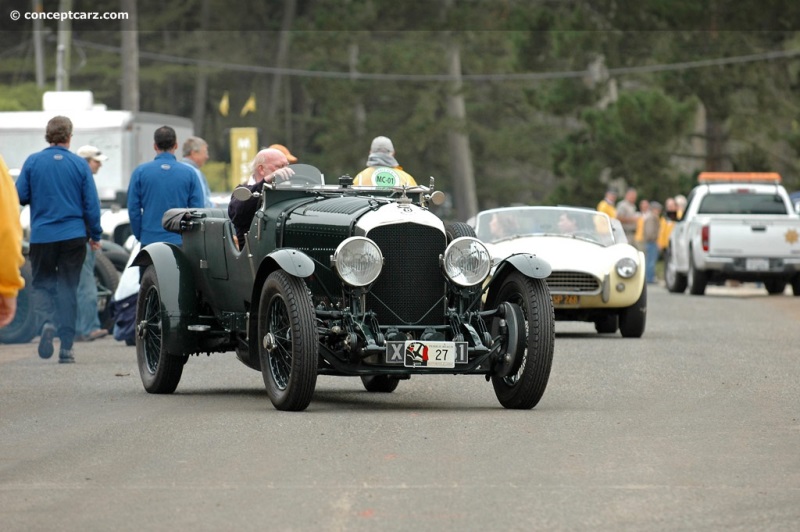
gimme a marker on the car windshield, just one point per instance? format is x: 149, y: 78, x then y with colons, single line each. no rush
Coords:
x: 502, y: 224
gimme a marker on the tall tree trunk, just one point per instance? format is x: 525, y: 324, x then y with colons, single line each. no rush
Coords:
x: 201, y: 85
x: 130, y: 58
x: 289, y: 10
x: 716, y: 159
x: 466, y: 201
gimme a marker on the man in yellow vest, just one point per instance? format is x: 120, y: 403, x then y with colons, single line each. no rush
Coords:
x: 382, y: 168
x: 607, y: 204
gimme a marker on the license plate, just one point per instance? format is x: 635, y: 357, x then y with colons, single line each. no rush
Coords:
x: 565, y: 299
x: 426, y: 354
x: 757, y: 265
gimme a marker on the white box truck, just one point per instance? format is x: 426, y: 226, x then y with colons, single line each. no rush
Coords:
x: 125, y: 137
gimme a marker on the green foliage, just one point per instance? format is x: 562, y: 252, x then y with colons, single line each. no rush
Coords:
x: 21, y: 97
x: 532, y: 141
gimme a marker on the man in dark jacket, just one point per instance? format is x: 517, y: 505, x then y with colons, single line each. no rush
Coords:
x: 158, y: 186
x: 62, y: 194
x: 269, y: 166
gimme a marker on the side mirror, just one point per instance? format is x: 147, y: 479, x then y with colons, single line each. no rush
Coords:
x: 242, y: 193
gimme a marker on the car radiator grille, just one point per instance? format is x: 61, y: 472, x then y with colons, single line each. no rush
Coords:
x: 410, y: 287
x: 572, y: 282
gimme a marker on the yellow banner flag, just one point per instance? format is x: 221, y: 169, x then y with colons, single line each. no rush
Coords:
x: 244, y: 144
x: 224, y: 104
x: 250, y: 105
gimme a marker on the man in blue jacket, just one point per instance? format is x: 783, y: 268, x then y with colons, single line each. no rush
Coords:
x: 162, y: 184
x: 62, y: 194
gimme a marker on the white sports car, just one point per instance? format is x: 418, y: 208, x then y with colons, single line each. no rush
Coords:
x: 597, y: 276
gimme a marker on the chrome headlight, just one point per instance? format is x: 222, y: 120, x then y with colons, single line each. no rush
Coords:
x: 467, y: 261
x: 626, y: 268
x: 358, y: 261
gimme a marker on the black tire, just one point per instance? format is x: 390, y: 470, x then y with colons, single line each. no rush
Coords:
x: 696, y: 280
x: 606, y: 324
x: 22, y: 328
x: 160, y: 371
x: 675, y: 281
x: 523, y: 390
x: 380, y: 383
x: 632, y: 319
x: 118, y: 255
x: 796, y: 285
x: 775, y: 286
x: 287, y: 341
x: 107, y: 278
x: 457, y: 230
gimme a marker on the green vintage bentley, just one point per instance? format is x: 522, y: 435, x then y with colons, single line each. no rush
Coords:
x: 343, y: 280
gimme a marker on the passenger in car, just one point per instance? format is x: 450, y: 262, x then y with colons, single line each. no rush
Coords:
x: 382, y: 169
x: 269, y: 166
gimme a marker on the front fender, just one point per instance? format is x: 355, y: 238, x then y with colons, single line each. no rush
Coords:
x: 176, y: 285
x: 293, y: 262
x: 525, y: 263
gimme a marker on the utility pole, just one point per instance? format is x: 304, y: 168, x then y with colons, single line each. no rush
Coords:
x: 130, y: 58
x: 64, y: 48
x: 38, y: 43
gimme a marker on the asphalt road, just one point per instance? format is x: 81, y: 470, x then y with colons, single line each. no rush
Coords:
x: 696, y: 426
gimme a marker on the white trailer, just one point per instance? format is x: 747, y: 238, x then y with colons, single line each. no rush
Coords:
x: 125, y: 137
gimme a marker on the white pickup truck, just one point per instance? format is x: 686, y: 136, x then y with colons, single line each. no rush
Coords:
x: 739, y: 226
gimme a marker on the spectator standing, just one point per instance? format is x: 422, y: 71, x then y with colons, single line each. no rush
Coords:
x: 638, y: 237
x: 289, y: 157
x: 667, y: 223
x: 652, y: 227
x: 63, y: 200
x: 382, y: 169
x: 627, y: 215
x: 269, y: 166
x: 680, y: 202
x: 607, y: 204
x: 195, y: 155
x: 87, y: 324
x: 11, y: 281
x: 158, y: 186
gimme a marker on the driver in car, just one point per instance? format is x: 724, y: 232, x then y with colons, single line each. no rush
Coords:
x: 269, y: 166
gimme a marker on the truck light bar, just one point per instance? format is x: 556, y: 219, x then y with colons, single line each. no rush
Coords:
x: 739, y: 177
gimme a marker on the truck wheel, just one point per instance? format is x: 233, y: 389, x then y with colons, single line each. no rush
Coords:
x: 380, y: 383
x: 107, y: 278
x: 675, y: 281
x: 696, y: 279
x: 775, y: 286
x: 523, y: 390
x: 287, y: 341
x: 606, y: 324
x: 633, y: 318
x: 160, y: 371
x: 796, y: 285
x: 23, y: 327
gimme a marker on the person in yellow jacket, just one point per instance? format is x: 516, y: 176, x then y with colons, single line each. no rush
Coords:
x: 667, y: 223
x: 382, y: 168
x: 607, y: 204
x: 11, y: 281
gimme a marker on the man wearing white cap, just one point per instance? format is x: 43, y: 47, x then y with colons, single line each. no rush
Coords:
x: 87, y: 322
x: 383, y: 169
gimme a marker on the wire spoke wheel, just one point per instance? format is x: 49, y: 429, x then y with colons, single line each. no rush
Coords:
x: 160, y: 371
x: 287, y: 337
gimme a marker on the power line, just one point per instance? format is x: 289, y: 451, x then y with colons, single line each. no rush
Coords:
x: 528, y: 76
